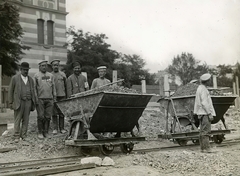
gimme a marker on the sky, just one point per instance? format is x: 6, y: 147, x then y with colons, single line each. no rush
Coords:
x: 159, y: 30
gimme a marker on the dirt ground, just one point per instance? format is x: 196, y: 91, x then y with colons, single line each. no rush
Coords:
x: 224, y: 161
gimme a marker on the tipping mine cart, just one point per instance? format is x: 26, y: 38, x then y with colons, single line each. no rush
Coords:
x: 94, y: 115
x: 181, y: 109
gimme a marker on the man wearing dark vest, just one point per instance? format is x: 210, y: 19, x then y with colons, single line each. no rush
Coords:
x: 22, y: 100
x: 46, y: 95
x: 76, y: 82
x: 61, y: 91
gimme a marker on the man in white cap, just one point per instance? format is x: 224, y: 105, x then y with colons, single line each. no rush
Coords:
x: 76, y: 82
x: 203, y: 107
x: 61, y: 92
x: 98, y: 82
x: 22, y: 100
x: 46, y: 96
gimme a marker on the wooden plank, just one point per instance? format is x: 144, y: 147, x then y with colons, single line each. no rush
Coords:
x: 54, y: 170
x: 2, y: 150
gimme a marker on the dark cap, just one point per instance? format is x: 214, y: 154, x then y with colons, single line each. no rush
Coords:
x: 24, y: 65
x: 75, y: 64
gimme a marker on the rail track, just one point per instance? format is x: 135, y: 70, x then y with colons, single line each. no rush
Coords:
x: 71, y: 163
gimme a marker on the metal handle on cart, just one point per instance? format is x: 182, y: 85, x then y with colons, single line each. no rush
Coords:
x: 74, y: 95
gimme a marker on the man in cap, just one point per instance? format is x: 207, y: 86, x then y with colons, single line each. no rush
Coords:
x: 76, y: 82
x: 98, y: 82
x: 61, y: 92
x: 22, y: 100
x: 203, y: 107
x: 46, y: 96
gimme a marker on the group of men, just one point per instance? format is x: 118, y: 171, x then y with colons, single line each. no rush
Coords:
x: 42, y: 92
x: 44, y: 89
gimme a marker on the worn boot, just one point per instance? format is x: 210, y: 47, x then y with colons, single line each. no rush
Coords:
x: 46, y: 127
x: 61, y: 124
x: 55, y: 124
x: 40, y: 129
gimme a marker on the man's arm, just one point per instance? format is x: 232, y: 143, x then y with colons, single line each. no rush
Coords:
x: 11, y: 91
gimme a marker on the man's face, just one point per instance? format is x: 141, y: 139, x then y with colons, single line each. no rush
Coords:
x: 102, y: 73
x: 24, y: 71
x: 77, y: 70
x: 55, y: 66
x: 43, y: 67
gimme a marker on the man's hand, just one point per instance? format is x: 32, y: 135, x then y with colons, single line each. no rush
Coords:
x: 210, y: 117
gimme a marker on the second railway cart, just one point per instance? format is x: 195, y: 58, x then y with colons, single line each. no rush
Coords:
x: 94, y: 115
x: 180, y: 108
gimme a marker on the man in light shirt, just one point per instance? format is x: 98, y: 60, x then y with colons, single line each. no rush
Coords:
x: 46, y: 95
x: 22, y: 100
x: 101, y: 81
x: 203, y: 107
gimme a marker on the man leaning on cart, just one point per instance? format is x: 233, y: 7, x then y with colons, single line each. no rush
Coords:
x: 204, y: 109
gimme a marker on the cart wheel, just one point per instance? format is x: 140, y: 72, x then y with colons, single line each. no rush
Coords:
x: 106, y: 149
x: 126, y: 147
x: 86, y: 150
x: 195, y: 141
x: 182, y: 142
x: 218, y: 139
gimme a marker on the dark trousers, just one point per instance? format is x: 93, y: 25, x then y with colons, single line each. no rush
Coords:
x: 44, y: 111
x: 58, y: 117
x: 205, y: 130
x: 21, y: 119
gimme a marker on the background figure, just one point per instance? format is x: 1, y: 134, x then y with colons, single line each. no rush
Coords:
x: 203, y: 107
x: 76, y: 82
x: 22, y: 100
x: 98, y: 82
x: 60, y: 80
x: 46, y: 96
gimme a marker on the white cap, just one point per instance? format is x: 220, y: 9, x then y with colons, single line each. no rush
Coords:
x: 41, y: 61
x: 102, y: 67
x: 55, y: 60
x: 205, y: 77
x: 194, y: 81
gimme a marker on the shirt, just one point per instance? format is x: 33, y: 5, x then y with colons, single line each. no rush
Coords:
x: 25, y: 79
x: 98, y: 82
x: 60, y: 83
x: 44, y: 85
x: 203, y: 102
x: 75, y: 84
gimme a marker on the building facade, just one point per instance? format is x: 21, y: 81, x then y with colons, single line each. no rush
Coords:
x: 44, y: 27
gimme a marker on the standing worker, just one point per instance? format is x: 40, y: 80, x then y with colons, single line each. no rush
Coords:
x: 46, y: 96
x: 98, y: 82
x: 76, y: 82
x: 61, y: 92
x: 204, y: 109
x: 22, y: 100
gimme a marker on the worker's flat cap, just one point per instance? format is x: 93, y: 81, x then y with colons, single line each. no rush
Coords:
x: 205, y: 77
x: 55, y: 60
x: 102, y: 67
x: 194, y: 81
x: 42, y: 61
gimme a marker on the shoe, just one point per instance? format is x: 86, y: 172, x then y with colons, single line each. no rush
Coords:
x: 54, y: 132
x: 40, y: 136
x: 63, y: 131
x: 206, y: 151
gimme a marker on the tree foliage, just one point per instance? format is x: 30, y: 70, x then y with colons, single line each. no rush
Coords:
x: 225, y: 73
x: 186, y: 67
x: 92, y: 50
x: 10, y: 38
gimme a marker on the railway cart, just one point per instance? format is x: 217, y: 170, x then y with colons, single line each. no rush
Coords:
x: 183, y: 126
x: 96, y: 117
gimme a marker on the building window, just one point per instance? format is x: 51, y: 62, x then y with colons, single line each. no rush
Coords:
x: 50, y: 32
x: 40, y: 29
